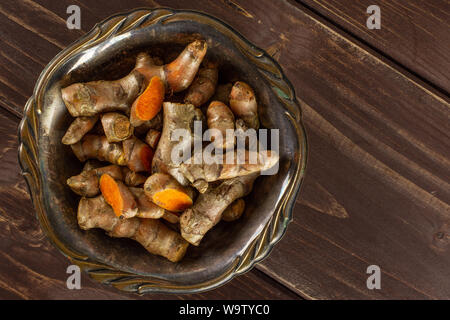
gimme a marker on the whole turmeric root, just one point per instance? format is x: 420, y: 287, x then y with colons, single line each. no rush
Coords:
x: 167, y: 193
x: 203, y: 86
x: 152, y: 138
x: 118, y: 196
x: 91, y: 98
x: 171, y: 217
x: 152, y: 234
x: 98, y: 147
x: 156, y: 124
x: 78, y: 128
x: 116, y: 126
x: 234, y: 211
x: 87, y: 99
x: 92, y: 164
x: 177, y: 75
x: 200, y: 174
x: 243, y: 104
x: 207, y: 211
x: 131, y: 178
x: 222, y: 93
x: 176, y: 116
x: 138, y: 155
x: 86, y: 184
x: 220, y: 118
x: 146, y: 208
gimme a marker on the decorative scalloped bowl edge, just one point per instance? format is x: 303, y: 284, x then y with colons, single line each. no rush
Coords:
x: 272, y: 232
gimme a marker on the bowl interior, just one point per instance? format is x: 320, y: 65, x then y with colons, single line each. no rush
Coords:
x: 111, y: 59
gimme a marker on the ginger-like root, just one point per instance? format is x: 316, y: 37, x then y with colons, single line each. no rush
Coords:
x: 97, y: 129
x: 78, y: 128
x: 86, y: 184
x: 91, y: 98
x: 152, y: 138
x: 240, y: 125
x: 177, y: 75
x: 118, y: 196
x: 167, y: 193
x: 138, y: 155
x: 116, y: 126
x: 176, y: 116
x: 234, y: 211
x: 171, y: 217
x: 156, y: 124
x: 207, y: 211
x: 203, y: 86
x: 152, y: 234
x: 131, y: 178
x: 92, y: 164
x: 222, y: 93
x: 149, y: 103
x: 200, y: 174
x: 159, y: 239
x: 146, y: 208
x: 98, y: 147
x: 243, y: 104
x: 220, y: 118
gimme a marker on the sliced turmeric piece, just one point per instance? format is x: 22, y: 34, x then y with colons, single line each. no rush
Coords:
x: 118, y: 196
x: 167, y: 193
x: 86, y: 184
x: 149, y: 103
x: 116, y: 126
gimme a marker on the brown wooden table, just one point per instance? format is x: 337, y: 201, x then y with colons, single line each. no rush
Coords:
x: 376, y: 109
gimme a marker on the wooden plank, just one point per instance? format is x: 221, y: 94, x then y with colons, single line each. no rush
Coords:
x: 376, y: 190
x: 31, y: 268
x: 414, y: 33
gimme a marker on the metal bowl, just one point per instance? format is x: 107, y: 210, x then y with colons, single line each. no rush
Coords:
x: 107, y: 52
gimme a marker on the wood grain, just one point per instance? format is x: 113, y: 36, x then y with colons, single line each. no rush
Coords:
x: 376, y: 188
x: 414, y: 33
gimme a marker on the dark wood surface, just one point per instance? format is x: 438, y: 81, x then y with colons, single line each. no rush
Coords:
x: 377, y: 183
x: 413, y: 33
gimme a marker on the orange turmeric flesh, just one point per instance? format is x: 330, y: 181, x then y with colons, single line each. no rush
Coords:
x: 168, y: 193
x: 172, y: 200
x: 118, y: 196
x: 111, y: 193
x: 149, y: 103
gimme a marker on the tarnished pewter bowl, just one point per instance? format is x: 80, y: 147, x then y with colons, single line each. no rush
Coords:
x: 107, y: 52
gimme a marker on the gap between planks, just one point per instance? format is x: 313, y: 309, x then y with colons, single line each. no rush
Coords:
x: 418, y: 80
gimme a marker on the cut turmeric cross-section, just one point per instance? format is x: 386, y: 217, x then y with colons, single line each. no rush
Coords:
x: 167, y: 193
x: 149, y: 103
x: 118, y: 196
x: 172, y: 200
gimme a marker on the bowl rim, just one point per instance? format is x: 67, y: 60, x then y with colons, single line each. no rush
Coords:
x: 276, y: 226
